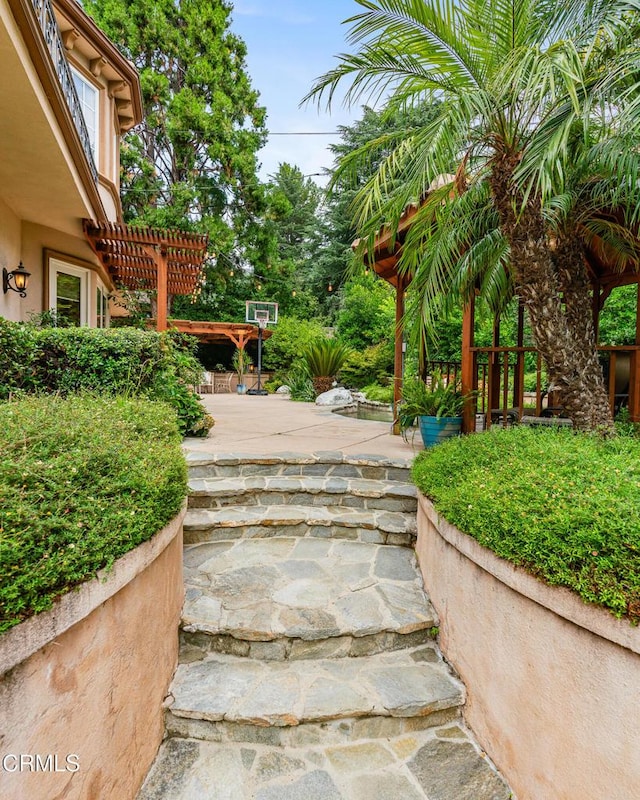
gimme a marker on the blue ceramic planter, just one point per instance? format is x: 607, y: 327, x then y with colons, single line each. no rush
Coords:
x: 435, y: 430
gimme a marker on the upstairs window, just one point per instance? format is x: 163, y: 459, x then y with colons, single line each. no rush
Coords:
x: 88, y: 96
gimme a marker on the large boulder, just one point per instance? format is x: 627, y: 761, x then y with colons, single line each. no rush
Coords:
x: 335, y: 397
x: 284, y: 389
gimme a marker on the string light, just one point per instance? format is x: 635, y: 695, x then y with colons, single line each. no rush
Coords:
x: 330, y: 287
x: 293, y: 293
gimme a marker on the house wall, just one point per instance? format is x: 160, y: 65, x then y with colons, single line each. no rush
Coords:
x: 84, y: 683
x: 11, y: 304
x: 552, y: 683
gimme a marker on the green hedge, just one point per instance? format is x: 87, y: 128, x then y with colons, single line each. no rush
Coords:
x: 564, y: 506
x: 123, y: 361
x: 83, y: 480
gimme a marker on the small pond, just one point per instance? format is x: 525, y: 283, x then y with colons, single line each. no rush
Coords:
x: 365, y: 411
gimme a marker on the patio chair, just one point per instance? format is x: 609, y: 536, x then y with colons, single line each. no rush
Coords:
x: 206, y: 387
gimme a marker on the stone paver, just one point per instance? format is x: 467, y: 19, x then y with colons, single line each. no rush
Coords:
x: 244, y: 690
x: 409, y: 767
x: 255, y: 521
x: 285, y: 588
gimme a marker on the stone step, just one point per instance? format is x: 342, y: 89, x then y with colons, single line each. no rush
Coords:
x: 322, y: 522
x: 441, y: 763
x: 288, y: 598
x: 329, y: 464
x: 228, y: 697
x: 302, y: 490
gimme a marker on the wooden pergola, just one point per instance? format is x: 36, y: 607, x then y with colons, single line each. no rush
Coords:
x: 240, y: 333
x: 149, y: 259
x: 496, y: 373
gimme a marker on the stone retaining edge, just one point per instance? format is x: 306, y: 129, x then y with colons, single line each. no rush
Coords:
x: 25, y: 639
x: 557, y: 599
x: 200, y: 458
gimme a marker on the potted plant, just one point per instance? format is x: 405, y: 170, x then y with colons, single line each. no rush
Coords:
x: 241, y: 361
x: 437, y: 406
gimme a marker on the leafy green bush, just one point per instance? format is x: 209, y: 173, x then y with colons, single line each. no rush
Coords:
x: 368, y: 313
x: 83, y: 480
x: 288, y: 342
x: 564, y: 506
x: 300, y: 383
x: 378, y: 394
x: 372, y: 365
x: 124, y: 361
x: 324, y: 359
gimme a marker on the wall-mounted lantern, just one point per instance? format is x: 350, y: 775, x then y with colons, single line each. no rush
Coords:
x: 20, y: 278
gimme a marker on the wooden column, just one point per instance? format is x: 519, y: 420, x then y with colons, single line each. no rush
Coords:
x: 162, y: 295
x: 468, y: 368
x: 634, y: 370
x: 397, y: 358
x: 518, y: 376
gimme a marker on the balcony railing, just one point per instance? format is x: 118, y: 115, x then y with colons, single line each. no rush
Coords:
x: 51, y: 33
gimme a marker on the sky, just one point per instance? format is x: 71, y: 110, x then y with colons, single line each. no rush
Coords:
x: 290, y: 43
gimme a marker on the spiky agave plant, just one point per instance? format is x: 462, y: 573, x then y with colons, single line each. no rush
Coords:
x: 325, y: 358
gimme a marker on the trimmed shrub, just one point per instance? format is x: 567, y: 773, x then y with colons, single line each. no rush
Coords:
x: 564, y: 506
x: 124, y: 361
x: 83, y: 480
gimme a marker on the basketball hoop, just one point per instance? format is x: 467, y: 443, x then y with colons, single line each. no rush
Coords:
x: 261, y: 314
x: 262, y: 318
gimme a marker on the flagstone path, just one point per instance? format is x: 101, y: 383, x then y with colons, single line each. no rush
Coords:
x: 308, y: 665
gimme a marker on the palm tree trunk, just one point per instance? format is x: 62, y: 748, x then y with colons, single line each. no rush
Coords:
x: 560, y: 334
x: 322, y: 383
x: 576, y: 293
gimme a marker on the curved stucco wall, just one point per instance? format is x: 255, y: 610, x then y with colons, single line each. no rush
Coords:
x: 553, y: 684
x: 82, y: 685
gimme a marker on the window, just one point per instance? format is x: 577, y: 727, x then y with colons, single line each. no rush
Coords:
x: 68, y: 292
x: 88, y: 96
x: 102, y: 307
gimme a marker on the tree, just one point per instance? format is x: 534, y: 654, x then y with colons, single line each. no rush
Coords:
x: 368, y: 315
x: 514, y: 81
x: 334, y: 259
x: 192, y: 162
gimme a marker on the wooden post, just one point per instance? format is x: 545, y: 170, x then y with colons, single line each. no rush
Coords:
x: 397, y: 358
x: 162, y: 295
x: 634, y: 370
x: 518, y: 375
x: 468, y: 367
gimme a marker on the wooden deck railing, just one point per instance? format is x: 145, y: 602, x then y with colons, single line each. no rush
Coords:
x: 500, y: 381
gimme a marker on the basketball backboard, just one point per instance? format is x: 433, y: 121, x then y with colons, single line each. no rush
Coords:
x: 261, y: 313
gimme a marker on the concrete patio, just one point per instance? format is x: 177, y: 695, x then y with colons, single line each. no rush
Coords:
x: 254, y: 424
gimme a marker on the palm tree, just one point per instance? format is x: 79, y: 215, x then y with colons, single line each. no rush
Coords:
x: 513, y: 81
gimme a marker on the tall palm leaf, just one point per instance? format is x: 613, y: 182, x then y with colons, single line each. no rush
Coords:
x: 513, y: 80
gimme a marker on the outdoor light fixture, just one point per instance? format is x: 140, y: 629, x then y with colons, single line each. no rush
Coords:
x: 20, y: 278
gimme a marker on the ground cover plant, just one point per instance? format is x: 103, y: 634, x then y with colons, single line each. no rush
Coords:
x: 564, y: 506
x: 126, y: 361
x: 83, y: 480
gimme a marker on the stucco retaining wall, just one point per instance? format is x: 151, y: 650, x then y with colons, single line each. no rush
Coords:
x: 553, y: 684
x: 82, y: 685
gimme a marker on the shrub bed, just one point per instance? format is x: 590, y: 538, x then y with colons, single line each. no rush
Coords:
x: 125, y: 361
x: 564, y: 506
x: 83, y: 480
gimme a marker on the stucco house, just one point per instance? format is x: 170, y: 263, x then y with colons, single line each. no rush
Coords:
x: 67, y: 96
